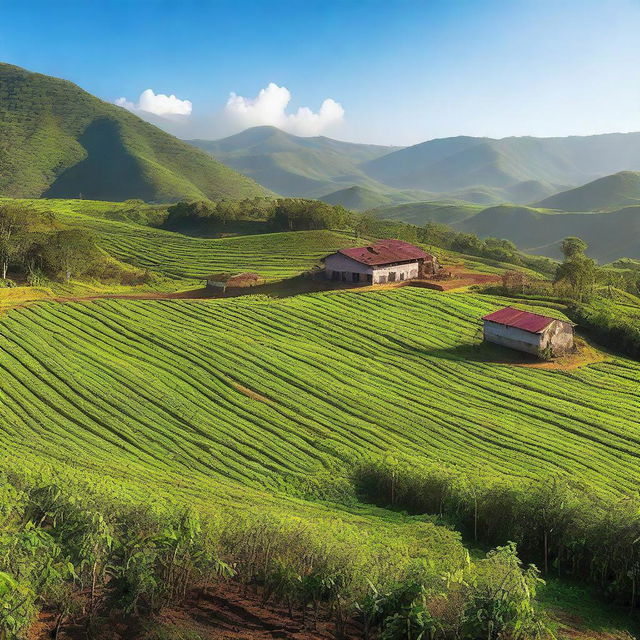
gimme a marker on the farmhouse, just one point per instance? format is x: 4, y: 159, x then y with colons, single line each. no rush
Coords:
x: 530, y: 332
x: 223, y: 281
x: 385, y: 261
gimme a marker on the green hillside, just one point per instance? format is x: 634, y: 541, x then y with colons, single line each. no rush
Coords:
x: 610, y: 235
x: 363, y: 198
x: 419, y: 213
x: 273, y: 255
x: 259, y: 393
x: 292, y: 165
x: 58, y: 141
x: 526, y: 165
x: 611, y: 192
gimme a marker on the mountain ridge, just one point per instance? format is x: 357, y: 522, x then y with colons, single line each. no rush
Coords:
x: 58, y: 140
x: 483, y: 170
x: 609, y: 192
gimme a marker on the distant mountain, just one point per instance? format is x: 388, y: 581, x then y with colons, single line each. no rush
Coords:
x: 295, y: 166
x: 481, y: 170
x: 610, y: 235
x: 363, y: 198
x: 419, y: 213
x: 610, y: 192
x: 451, y: 164
x: 58, y: 141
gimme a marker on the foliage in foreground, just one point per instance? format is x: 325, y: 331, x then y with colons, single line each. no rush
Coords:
x: 89, y: 556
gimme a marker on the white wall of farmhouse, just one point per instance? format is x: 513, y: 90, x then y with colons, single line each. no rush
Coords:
x: 340, y: 267
x: 558, y: 336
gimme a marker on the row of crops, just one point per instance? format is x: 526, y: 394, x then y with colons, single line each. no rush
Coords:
x: 258, y: 392
x: 272, y: 255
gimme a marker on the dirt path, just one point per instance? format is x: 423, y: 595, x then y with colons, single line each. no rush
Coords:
x: 194, y: 294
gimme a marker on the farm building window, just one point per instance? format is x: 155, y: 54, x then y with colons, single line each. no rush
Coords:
x: 356, y: 277
x: 344, y: 276
x: 382, y: 279
x: 369, y: 278
x: 402, y: 275
x: 392, y: 276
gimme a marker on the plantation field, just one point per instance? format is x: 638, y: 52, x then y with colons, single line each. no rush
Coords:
x: 272, y: 255
x: 212, y: 396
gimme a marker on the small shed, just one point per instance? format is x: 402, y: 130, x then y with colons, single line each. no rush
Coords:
x: 530, y: 332
x: 225, y: 280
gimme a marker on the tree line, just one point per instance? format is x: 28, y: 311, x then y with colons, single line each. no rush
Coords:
x: 565, y: 527
x: 283, y: 214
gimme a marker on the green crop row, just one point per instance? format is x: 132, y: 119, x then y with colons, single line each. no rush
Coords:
x: 257, y: 392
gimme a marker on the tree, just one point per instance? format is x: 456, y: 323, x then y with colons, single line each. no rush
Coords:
x: 16, y: 225
x: 573, y: 247
x: 577, y: 270
x: 70, y: 251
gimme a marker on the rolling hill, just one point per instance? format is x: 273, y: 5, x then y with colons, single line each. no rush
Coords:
x: 480, y: 170
x: 295, y: 166
x: 453, y: 164
x: 363, y: 198
x: 58, y: 141
x: 419, y: 213
x: 611, y: 192
x: 609, y: 235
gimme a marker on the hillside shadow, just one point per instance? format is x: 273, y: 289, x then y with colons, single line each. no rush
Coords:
x: 474, y: 352
x: 584, y: 353
x: 108, y: 172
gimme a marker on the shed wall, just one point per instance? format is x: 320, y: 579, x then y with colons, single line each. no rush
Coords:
x: 512, y: 337
x: 559, y: 336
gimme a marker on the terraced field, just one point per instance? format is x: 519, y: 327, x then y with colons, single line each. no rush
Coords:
x: 180, y: 257
x: 272, y: 255
x: 257, y: 393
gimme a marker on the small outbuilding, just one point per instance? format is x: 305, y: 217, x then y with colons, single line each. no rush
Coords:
x: 384, y: 261
x: 530, y: 332
x: 223, y: 281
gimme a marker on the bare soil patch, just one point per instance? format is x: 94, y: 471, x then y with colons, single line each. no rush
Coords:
x: 223, y: 612
x: 250, y: 393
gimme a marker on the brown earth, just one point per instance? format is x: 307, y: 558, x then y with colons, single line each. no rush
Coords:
x: 223, y: 612
x: 226, y: 612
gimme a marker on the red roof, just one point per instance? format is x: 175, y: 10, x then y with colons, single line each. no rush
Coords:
x: 525, y: 320
x: 385, y: 252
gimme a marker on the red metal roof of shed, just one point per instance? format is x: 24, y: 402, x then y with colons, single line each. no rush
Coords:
x: 385, y: 252
x: 525, y: 320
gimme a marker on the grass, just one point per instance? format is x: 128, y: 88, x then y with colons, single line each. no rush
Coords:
x: 187, y: 259
x: 579, y: 614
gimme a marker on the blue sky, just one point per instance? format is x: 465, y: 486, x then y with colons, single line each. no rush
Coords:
x: 392, y: 72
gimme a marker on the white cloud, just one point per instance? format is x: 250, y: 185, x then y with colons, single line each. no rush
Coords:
x: 269, y: 108
x: 157, y: 104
